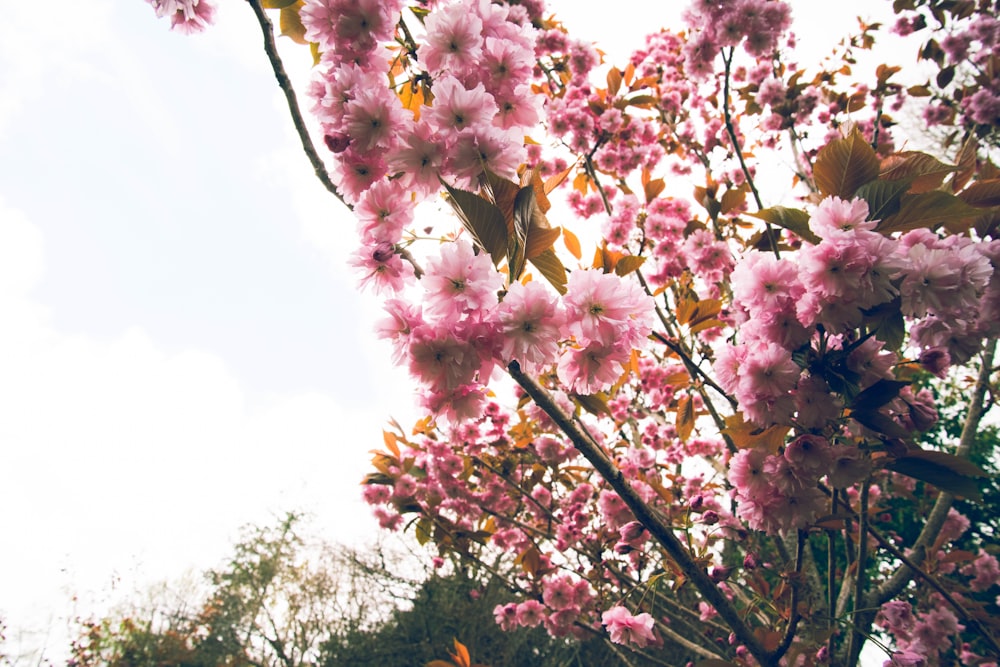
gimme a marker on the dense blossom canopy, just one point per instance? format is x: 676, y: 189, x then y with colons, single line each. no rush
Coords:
x: 725, y: 418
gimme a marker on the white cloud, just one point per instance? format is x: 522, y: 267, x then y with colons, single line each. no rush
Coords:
x: 120, y: 456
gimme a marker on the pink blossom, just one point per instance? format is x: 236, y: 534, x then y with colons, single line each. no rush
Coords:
x: 746, y: 472
x: 559, y: 593
x: 458, y: 108
x: 985, y: 572
x: 374, y: 118
x: 383, y: 211
x: 613, y: 510
x: 418, y: 159
x: 458, y: 281
x: 605, y: 309
x: 624, y: 628
x: 403, y: 318
x: 589, y: 369
x: 454, y: 39
x: 506, y: 616
x: 955, y: 525
x: 530, y: 613
x: 809, y: 454
x: 530, y: 321
x: 906, y: 658
x: 835, y: 216
x: 381, y: 267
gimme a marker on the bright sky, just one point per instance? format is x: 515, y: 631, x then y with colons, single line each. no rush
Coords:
x: 182, y: 349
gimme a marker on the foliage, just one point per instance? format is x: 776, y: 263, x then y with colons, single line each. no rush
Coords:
x: 274, y: 602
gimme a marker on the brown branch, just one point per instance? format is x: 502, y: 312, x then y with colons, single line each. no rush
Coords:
x: 653, y: 522
x: 895, y: 584
x: 293, y: 104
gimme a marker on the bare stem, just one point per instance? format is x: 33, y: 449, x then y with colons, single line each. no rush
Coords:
x: 293, y: 104
x: 734, y: 140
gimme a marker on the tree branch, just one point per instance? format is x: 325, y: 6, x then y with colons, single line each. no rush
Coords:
x: 293, y: 105
x: 647, y: 516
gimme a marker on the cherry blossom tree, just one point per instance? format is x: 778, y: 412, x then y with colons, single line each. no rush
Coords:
x: 693, y: 413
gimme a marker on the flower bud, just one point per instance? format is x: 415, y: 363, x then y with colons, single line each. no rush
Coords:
x: 631, y: 531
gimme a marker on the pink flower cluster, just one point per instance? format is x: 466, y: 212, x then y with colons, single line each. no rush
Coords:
x: 781, y: 305
x: 798, y: 349
x: 721, y: 24
x: 187, y: 16
x: 452, y: 344
x: 477, y: 58
x: 625, y: 628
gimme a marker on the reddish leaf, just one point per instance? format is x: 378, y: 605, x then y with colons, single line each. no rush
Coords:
x: 930, y: 210
x: 685, y: 417
x: 461, y: 655
x: 482, y: 220
x: 549, y: 265
x: 982, y: 193
x: 923, y: 171
x: 945, y: 471
x: 844, y: 165
x: 572, y: 243
x: 614, y: 81
x: 966, y: 164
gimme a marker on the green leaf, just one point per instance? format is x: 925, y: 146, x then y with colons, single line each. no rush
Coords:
x: 877, y: 395
x: 882, y: 197
x: 844, y: 165
x: 482, y: 220
x: 277, y: 4
x: 945, y: 471
x: 929, y: 210
x: 793, y: 219
x: 549, y: 265
x: 422, y: 530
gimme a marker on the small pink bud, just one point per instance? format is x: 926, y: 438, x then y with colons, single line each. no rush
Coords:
x: 631, y: 531
x: 337, y: 143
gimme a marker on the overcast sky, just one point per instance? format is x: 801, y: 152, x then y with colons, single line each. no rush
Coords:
x: 182, y: 349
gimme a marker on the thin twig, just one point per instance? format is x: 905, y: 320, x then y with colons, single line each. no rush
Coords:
x: 856, y: 638
x: 293, y: 105
x: 796, y: 584
x: 734, y: 140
